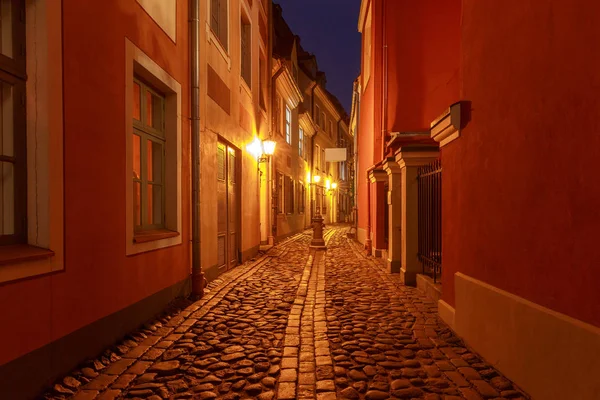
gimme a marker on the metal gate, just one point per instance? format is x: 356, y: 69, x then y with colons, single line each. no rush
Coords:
x: 430, y: 218
x: 228, y: 207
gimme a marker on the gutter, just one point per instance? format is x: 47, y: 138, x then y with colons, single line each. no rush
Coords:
x: 198, y: 280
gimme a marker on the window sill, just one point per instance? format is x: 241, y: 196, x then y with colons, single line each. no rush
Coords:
x: 153, y: 235
x: 245, y: 87
x: 22, y: 253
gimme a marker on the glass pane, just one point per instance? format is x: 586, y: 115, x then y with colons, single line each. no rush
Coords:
x: 7, y: 205
x: 137, y: 153
x: 154, y: 156
x: 137, y: 109
x: 154, y: 109
x: 6, y: 26
x: 137, y: 204
x: 154, y: 204
x: 6, y: 119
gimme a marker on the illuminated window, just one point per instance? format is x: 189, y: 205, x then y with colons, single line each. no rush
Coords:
x: 148, y: 157
x: 301, y: 142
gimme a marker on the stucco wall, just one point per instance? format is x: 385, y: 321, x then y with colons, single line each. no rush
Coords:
x: 521, y: 189
x: 98, y: 278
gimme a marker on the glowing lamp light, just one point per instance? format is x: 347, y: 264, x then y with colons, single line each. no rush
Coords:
x: 327, y: 184
x: 317, y: 178
x: 255, y: 148
x: 308, y: 176
x: 334, y: 185
x: 268, y: 147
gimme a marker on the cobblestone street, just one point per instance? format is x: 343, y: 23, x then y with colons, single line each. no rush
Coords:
x: 294, y: 325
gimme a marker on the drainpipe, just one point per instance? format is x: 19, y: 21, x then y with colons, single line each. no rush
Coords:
x: 271, y: 166
x: 312, y: 150
x: 384, y: 97
x: 368, y: 241
x: 355, y: 155
x: 198, y: 280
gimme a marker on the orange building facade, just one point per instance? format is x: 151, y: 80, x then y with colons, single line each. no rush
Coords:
x: 468, y: 85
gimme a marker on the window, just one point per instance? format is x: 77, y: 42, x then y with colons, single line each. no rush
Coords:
x: 288, y: 124
x: 317, y: 115
x: 343, y: 170
x: 13, y: 132
x: 301, y: 142
x: 323, y: 120
x: 219, y: 21
x: 154, y: 159
x: 246, y: 51
x: 279, y: 192
x: 323, y: 161
x: 289, y: 195
x: 148, y: 157
x: 262, y: 80
x: 277, y: 113
x: 318, y: 157
x: 330, y: 128
x: 301, y: 197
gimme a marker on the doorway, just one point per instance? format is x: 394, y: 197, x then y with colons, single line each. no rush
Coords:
x: 228, y: 207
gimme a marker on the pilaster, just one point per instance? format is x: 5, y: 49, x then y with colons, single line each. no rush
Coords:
x: 394, y: 202
x: 409, y: 159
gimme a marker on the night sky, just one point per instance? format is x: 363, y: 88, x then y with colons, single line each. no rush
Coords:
x: 328, y: 29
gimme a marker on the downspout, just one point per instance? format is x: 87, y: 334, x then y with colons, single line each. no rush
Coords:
x: 198, y: 280
x: 384, y: 97
x: 355, y: 155
x: 271, y: 167
x: 368, y: 241
x: 312, y: 150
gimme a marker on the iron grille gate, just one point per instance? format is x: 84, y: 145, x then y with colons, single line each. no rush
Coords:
x: 430, y: 218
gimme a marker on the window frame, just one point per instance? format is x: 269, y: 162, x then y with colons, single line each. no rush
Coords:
x: 150, y: 133
x: 139, y: 63
x: 288, y: 124
x: 13, y: 72
x: 218, y: 32
x: 301, y: 142
x: 318, y: 156
x: 246, y: 52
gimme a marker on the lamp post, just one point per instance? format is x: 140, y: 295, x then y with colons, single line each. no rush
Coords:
x: 317, y: 241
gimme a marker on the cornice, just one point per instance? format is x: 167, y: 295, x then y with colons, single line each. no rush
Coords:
x: 447, y: 127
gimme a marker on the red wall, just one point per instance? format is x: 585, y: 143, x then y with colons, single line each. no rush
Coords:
x: 423, y: 57
x: 99, y: 279
x: 423, y: 39
x: 521, y: 185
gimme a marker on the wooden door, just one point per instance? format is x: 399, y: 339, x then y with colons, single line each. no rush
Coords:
x: 227, y: 207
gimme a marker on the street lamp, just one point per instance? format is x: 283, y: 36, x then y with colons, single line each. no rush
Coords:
x: 317, y: 241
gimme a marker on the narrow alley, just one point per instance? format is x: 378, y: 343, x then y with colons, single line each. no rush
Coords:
x: 294, y: 324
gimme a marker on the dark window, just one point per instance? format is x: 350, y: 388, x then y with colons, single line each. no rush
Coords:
x: 13, y: 133
x: 246, y: 44
x: 219, y: 20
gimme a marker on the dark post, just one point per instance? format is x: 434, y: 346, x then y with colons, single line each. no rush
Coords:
x: 317, y: 240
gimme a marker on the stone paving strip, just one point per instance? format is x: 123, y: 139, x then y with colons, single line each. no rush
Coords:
x: 228, y: 345
x: 387, y: 340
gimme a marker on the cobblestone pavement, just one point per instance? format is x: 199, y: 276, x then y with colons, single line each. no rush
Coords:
x: 294, y: 324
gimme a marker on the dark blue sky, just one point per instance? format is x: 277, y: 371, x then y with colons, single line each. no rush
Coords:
x: 327, y: 28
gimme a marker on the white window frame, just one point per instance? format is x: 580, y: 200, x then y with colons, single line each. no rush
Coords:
x: 288, y: 124
x: 45, y: 133
x: 138, y: 63
x: 301, y: 141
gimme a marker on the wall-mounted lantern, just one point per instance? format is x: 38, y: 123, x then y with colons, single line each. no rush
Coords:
x: 261, y: 150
